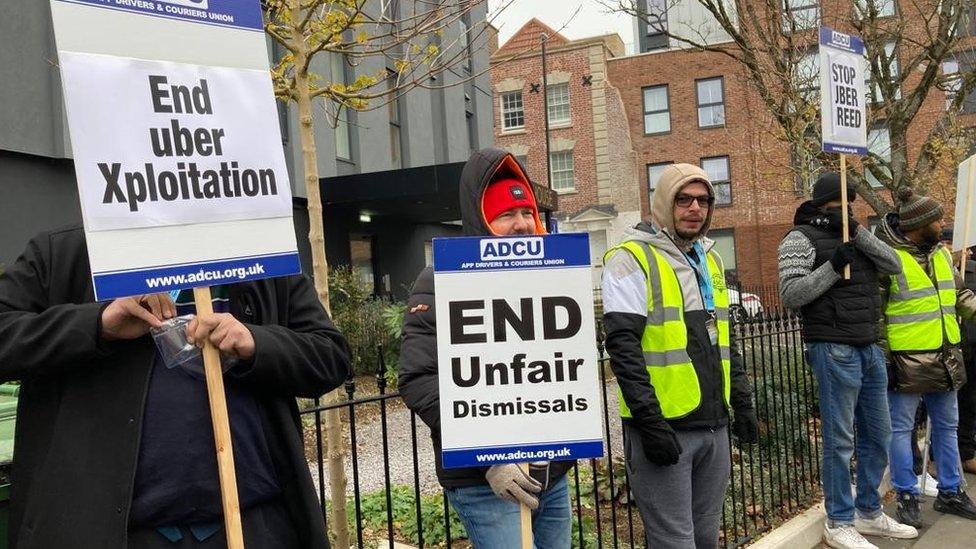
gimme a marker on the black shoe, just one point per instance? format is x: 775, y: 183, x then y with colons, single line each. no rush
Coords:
x: 908, y: 511
x: 956, y: 503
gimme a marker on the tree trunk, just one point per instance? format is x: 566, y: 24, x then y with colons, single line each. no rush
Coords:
x: 320, y: 269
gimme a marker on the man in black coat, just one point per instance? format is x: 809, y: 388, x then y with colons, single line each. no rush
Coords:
x: 496, y: 198
x: 113, y: 449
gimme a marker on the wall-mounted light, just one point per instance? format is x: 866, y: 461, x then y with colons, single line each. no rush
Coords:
x: 364, y: 217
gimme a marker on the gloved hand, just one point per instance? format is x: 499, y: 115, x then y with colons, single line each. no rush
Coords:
x: 510, y: 483
x: 745, y: 425
x: 832, y: 220
x: 843, y: 255
x: 660, y: 444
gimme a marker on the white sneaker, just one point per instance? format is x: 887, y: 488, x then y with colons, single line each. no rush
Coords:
x: 931, y: 485
x: 884, y: 526
x: 845, y: 537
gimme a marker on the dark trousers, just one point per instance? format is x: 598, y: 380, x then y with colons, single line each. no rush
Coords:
x: 266, y: 526
x: 967, y: 408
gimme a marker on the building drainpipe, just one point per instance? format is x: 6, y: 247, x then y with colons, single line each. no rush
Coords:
x: 545, y: 114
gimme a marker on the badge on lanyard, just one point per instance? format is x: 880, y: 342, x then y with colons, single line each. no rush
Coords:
x: 712, y: 328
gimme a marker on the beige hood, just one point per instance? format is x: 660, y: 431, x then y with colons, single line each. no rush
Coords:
x: 673, y: 178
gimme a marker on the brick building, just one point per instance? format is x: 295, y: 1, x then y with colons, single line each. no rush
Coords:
x: 699, y: 107
x: 594, y: 169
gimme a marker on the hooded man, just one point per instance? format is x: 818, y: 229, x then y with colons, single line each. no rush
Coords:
x: 840, y: 331
x: 926, y: 363
x: 667, y: 331
x: 496, y: 199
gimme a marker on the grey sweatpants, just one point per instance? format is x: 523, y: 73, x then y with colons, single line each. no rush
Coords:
x: 681, y: 505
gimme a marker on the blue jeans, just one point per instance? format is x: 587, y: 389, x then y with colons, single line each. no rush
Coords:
x: 853, y: 384
x: 943, y: 409
x: 493, y: 523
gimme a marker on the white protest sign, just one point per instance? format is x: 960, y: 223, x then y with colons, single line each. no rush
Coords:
x: 175, y: 138
x: 842, y: 97
x: 963, y: 230
x: 516, y: 350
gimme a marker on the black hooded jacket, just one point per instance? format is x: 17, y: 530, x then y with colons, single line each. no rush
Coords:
x: 418, y: 353
x: 82, y: 399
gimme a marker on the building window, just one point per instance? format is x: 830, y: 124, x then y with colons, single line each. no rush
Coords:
x: 561, y: 167
x: 806, y: 76
x: 967, y: 25
x: 954, y: 69
x: 513, y: 115
x: 801, y: 14
x: 656, y: 17
x: 883, y: 8
x: 342, y: 137
x: 874, y: 89
x: 523, y: 159
x: 879, y: 143
x: 388, y: 9
x: 657, y: 114
x: 653, y: 175
x: 725, y: 246
x: 466, y: 44
x: 361, y: 259
x: 719, y: 174
x: 558, y: 98
x: 711, y: 102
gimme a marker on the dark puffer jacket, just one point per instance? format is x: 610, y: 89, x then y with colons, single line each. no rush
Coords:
x: 924, y: 371
x: 418, y: 380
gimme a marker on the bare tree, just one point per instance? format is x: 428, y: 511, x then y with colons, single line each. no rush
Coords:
x: 774, y: 42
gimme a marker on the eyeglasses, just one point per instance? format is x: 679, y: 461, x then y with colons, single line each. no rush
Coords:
x: 684, y: 201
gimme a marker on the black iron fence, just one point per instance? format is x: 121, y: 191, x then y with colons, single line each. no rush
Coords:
x: 394, y: 497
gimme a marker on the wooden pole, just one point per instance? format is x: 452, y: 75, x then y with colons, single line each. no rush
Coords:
x: 221, y: 425
x: 971, y: 178
x: 526, y: 516
x: 845, y: 230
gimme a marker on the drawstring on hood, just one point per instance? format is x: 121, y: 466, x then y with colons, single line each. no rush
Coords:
x: 674, y: 178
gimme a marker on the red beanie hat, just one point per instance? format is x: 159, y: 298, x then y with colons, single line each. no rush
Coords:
x: 503, y: 195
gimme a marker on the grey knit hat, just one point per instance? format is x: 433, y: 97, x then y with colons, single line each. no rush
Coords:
x: 916, y: 211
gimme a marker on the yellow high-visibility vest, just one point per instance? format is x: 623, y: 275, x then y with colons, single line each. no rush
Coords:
x: 665, y: 338
x: 921, y: 315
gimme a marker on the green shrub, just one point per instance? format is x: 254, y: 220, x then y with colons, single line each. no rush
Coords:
x: 404, y: 509
x: 366, y: 321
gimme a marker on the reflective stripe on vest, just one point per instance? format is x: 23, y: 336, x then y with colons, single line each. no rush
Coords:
x: 920, y: 314
x: 665, y: 338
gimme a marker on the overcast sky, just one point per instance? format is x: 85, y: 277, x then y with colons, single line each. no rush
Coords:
x: 591, y: 20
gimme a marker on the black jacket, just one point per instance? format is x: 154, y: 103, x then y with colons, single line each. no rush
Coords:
x: 624, y: 332
x: 418, y: 379
x: 849, y: 311
x: 81, y: 399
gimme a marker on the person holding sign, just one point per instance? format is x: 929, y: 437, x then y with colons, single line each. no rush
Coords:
x: 840, y: 330
x: 666, y: 318
x: 496, y: 198
x: 115, y: 445
x: 925, y: 362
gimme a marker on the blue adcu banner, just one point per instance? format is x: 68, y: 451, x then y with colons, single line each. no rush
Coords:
x: 242, y: 14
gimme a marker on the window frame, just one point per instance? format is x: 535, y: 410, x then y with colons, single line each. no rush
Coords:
x: 660, y: 20
x: 790, y: 15
x: 717, y: 183
x: 860, y: 13
x: 647, y: 172
x: 571, y: 170
x: 868, y: 177
x: 549, y: 106
x: 511, y: 110
x: 667, y: 109
x: 700, y: 105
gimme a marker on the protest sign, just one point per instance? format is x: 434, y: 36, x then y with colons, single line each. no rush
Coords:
x: 519, y: 378
x: 178, y: 157
x: 176, y: 143
x: 963, y: 232
x: 842, y: 98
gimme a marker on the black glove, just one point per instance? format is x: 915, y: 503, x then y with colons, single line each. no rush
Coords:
x: 843, y: 255
x: 833, y: 221
x: 745, y: 425
x: 659, y: 442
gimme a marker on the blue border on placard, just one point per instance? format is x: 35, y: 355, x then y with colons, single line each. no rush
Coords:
x: 845, y: 149
x: 245, y: 14
x: 463, y: 254
x: 828, y: 37
x: 468, y: 457
x: 116, y: 284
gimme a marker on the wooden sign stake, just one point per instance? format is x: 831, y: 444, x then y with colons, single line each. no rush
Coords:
x: 845, y: 230
x: 221, y: 424
x: 526, y: 516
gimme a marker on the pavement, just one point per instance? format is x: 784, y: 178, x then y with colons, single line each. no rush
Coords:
x: 940, y: 532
